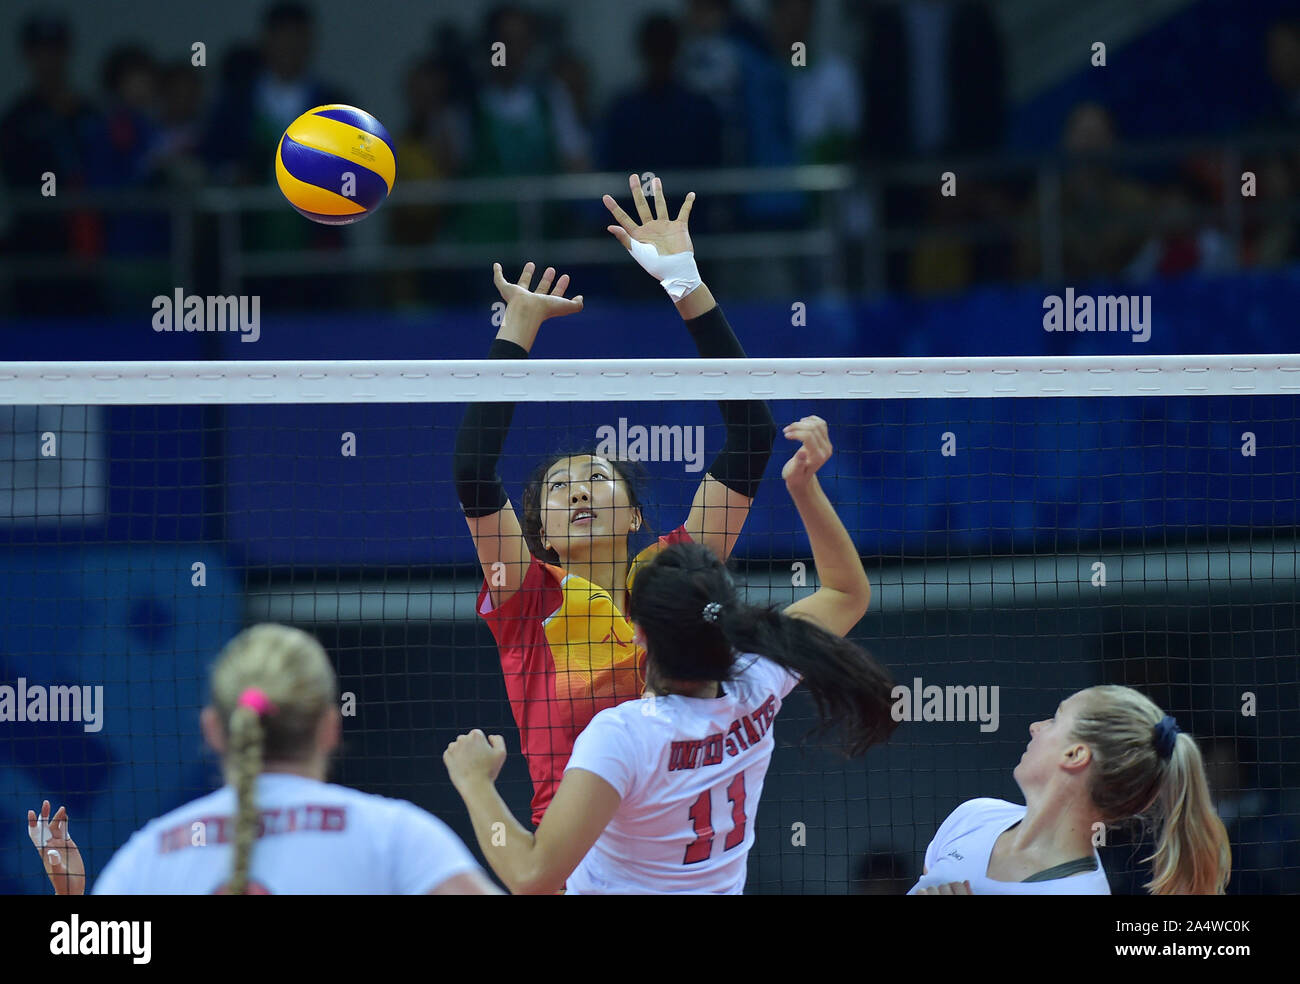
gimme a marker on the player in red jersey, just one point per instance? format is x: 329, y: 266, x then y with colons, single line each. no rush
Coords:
x: 660, y: 794
x: 557, y: 581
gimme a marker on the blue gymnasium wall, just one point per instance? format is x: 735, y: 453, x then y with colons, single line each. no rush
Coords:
x: 126, y: 618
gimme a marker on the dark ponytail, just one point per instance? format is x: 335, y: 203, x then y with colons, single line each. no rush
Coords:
x: 852, y: 691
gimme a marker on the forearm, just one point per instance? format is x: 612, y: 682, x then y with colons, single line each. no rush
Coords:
x: 697, y: 302
x: 750, y: 426
x: 520, y: 328
x: 835, y: 555
x: 508, y: 848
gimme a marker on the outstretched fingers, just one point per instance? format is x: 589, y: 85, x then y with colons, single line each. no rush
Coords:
x: 621, y: 235
x: 621, y: 217
x: 638, y: 198
x: 45, y: 829
x: 38, y: 825
x: 59, y: 824
x: 685, y: 213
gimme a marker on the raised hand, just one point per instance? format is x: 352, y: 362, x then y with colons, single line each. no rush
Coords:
x: 666, y: 235
x: 547, y: 301
x: 816, y: 450
x: 526, y: 309
x: 474, y: 756
x: 59, y: 854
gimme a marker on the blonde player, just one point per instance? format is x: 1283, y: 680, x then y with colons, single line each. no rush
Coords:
x: 660, y: 794
x: 1109, y: 755
x: 276, y: 826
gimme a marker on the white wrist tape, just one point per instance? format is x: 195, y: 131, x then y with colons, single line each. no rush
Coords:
x: 676, y: 272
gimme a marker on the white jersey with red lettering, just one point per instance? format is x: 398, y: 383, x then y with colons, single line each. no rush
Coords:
x: 316, y: 839
x: 690, y: 772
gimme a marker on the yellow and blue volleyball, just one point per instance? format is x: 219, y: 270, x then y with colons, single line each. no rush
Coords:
x: 335, y: 164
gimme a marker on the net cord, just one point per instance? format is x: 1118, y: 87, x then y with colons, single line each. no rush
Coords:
x: 641, y: 380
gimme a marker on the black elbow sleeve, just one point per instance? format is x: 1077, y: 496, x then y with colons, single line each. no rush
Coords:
x: 479, y: 442
x: 751, y: 431
x: 478, y: 487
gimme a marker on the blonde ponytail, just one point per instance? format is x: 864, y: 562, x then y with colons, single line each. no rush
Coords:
x: 1132, y: 780
x: 1192, y: 856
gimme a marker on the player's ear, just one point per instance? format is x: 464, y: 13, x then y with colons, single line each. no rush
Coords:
x: 1077, y: 757
x: 213, y: 733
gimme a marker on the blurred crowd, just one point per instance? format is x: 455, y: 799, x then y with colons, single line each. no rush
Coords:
x: 713, y: 88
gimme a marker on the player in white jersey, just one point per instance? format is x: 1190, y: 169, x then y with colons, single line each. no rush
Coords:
x: 660, y: 794
x: 1109, y: 755
x: 276, y: 826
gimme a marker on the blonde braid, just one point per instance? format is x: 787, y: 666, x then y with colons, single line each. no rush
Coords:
x: 294, y: 687
x: 246, y: 764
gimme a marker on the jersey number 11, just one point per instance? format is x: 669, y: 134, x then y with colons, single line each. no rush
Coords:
x: 702, y: 822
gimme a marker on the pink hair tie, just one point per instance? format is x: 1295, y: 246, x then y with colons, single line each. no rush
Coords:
x: 257, y: 700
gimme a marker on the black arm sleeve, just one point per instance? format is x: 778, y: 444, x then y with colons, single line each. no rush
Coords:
x: 479, y: 441
x: 750, y: 427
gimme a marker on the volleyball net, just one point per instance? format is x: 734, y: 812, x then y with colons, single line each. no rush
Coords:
x: 1031, y: 527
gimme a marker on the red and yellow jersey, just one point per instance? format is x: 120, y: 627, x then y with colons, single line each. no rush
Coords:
x: 567, y: 654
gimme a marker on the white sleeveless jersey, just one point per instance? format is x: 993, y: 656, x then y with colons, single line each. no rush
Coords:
x: 317, y: 839
x: 690, y: 772
x: 964, y: 843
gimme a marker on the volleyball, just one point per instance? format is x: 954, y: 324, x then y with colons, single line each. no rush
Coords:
x: 335, y: 164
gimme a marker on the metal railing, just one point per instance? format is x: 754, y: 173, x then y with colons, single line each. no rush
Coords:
x: 835, y: 190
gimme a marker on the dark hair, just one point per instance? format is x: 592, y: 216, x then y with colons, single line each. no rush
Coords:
x: 851, y: 690
x: 631, y: 473
x: 123, y: 59
x: 659, y: 38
